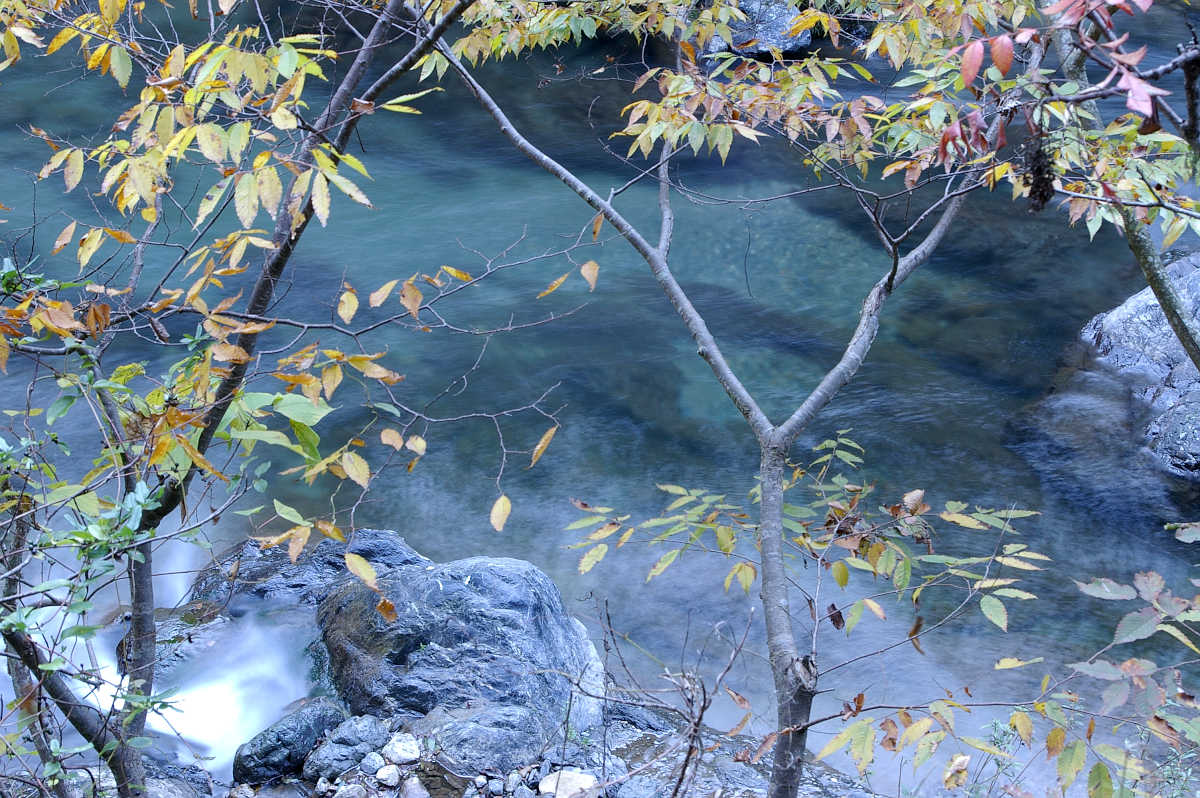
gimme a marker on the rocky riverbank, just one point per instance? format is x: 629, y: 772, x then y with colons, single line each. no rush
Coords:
x: 465, y: 679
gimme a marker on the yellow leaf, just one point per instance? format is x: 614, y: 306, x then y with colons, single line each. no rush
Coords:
x: 4, y: 350
x: 457, y: 274
x: 230, y: 353
x: 550, y: 289
x: 380, y: 294
x: 1023, y: 726
x: 500, y: 511
x: 245, y: 199
x: 874, y: 607
x: 331, y: 377
x: 416, y: 444
x: 391, y: 437
x: 74, y: 169
x: 120, y: 235
x: 1055, y: 741
x: 540, y: 449
x: 597, y: 223
x: 198, y: 458
x: 356, y: 468
x: 841, y: 574
x: 330, y: 531
x: 594, y: 555
x: 590, y: 271
x: 211, y: 141
x: 63, y: 239
x: 348, y: 305
x: 362, y: 569
x: 410, y: 298
x: 297, y: 543
x: 320, y: 197
x: 963, y: 520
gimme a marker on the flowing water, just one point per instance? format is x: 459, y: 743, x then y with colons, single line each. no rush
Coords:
x: 950, y: 399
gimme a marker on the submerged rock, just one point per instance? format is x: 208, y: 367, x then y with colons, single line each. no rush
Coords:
x: 280, y: 749
x: 1136, y: 341
x: 482, y: 648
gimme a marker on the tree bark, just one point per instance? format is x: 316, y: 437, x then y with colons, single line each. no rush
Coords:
x: 795, y: 676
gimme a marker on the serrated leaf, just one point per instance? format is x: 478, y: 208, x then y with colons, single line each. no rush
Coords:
x: 1099, y: 783
x: 1137, y: 625
x: 594, y: 555
x: 662, y: 564
x: 1107, y: 589
x: 499, y: 514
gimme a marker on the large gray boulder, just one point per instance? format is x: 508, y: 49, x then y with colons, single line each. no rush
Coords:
x: 483, y: 647
x: 281, y: 748
x: 1136, y: 341
x: 766, y: 28
x: 268, y: 575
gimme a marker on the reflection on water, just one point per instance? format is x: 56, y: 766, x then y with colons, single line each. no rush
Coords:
x: 950, y: 399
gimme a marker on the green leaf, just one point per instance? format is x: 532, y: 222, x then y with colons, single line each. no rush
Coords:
x: 1100, y: 669
x: 120, y: 65
x: 1071, y: 761
x: 1099, y: 783
x: 309, y: 440
x: 672, y: 489
x: 300, y: 408
x: 662, y: 563
x: 1107, y: 589
x: 580, y: 523
x: 841, y: 574
x: 995, y: 611
x: 1137, y: 626
x: 288, y: 513
x: 60, y: 407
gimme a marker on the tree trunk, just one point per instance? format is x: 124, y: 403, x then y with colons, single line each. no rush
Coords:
x: 795, y: 676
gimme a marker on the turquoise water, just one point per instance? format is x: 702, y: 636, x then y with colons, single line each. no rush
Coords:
x: 948, y: 400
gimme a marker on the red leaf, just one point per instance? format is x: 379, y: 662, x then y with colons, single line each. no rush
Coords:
x: 1002, y: 53
x: 972, y: 59
x: 1139, y: 95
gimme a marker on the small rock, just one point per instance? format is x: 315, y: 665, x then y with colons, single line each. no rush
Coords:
x: 388, y: 775
x: 512, y: 781
x: 523, y: 792
x: 371, y: 763
x: 241, y: 791
x: 351, y: 791
x: 495, y: 786
x: 402, y: 749
x: 413, y: 788
x: 567, y: 784
x: 323, y: 786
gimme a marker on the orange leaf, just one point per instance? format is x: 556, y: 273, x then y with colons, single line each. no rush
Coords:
x: 1002, y: 53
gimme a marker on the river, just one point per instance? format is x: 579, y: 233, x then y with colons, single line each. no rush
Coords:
x: 948, y: 400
